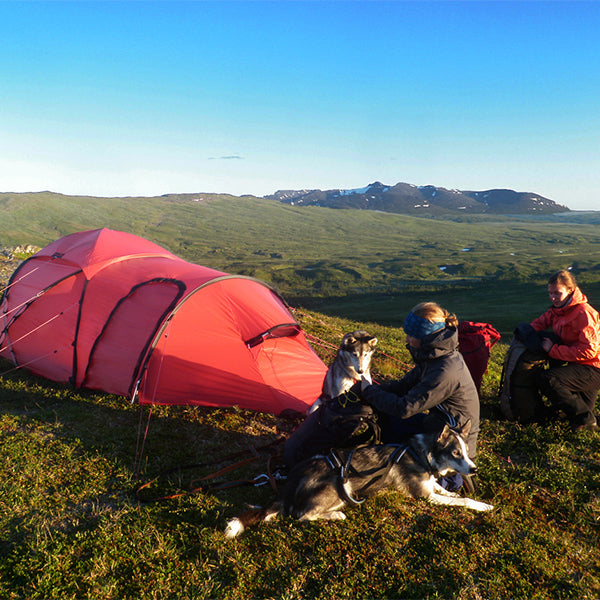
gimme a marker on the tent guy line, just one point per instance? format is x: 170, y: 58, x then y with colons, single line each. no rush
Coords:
x: 32, y: 331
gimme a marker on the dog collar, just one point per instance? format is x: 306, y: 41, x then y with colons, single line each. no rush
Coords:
x: 424, y: 462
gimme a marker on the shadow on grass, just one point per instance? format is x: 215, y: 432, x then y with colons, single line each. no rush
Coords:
x: 146, y: 453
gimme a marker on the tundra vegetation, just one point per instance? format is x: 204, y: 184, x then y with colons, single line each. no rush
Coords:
x: 86, y: 512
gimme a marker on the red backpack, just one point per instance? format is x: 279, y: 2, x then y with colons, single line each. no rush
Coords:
x: 475, y: 340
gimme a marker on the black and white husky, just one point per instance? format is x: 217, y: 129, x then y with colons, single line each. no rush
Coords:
x: 351, y: 364
x: 320, y: 487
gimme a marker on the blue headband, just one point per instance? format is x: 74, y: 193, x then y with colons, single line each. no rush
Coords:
x: 418, y: 327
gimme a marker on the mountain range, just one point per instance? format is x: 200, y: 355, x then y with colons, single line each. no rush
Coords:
x: 405, y: 198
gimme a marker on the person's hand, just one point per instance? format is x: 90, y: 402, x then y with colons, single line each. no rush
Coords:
x: 547, y: 344
x: 365, y: 383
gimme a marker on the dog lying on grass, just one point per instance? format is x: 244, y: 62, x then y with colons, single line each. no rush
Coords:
x: 321, y: 486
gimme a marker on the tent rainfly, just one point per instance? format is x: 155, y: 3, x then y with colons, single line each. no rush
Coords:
x: 108, y: 310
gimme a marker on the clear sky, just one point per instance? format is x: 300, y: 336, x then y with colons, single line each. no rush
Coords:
x: 122, y: 98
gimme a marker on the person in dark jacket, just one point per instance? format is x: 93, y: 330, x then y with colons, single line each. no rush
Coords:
x: 438, y: 390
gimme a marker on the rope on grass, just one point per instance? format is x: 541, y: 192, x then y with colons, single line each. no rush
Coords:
x: 141, y: 441
x: 204, y: 483
x: 332, y: 348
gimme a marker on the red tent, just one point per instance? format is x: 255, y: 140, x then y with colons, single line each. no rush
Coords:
x: 108, y: 310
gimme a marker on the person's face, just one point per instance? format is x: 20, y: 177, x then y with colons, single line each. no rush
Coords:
x: 558, y: 294
x: 413, y: 342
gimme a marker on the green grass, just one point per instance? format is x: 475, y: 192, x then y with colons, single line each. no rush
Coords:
x: 73, y: 524
x: 318, y: 252
x: 503, y: 304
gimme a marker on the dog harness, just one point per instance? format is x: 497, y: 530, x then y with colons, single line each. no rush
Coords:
x: 335, y: 462
x: 348, y: 396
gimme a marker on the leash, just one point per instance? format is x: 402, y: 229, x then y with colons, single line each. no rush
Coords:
x: 205, y: 482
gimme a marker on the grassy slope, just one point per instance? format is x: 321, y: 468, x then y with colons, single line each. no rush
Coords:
x: 74, y: 527
x: 503, y: 304
x: 287, y: 243
x: 360, y: 264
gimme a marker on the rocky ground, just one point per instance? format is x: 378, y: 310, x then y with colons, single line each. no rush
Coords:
x: 10, y: 259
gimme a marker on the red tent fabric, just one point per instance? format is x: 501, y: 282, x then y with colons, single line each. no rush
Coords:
x: 108, y: 310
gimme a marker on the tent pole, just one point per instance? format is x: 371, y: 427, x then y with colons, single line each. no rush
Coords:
x: 141, y: 441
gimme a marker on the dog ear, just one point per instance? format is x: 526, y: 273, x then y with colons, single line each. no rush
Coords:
x: 373, y: 342
x: 348, y: 340
x: 445, y: 433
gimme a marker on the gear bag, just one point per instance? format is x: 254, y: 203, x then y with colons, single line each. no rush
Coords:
x: 475, y: 340
x: 520, y: 397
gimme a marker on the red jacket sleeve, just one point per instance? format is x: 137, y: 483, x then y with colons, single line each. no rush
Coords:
x: 587, y: 345
x: 543, y: 322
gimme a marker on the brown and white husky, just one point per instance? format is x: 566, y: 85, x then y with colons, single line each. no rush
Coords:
x: 321, y: 486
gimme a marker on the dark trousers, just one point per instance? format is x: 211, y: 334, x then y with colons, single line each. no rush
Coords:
x: 572, y: 388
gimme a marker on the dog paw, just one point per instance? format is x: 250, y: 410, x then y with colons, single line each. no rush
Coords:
x: 480, y: 506
x: 336, y: 515
x: 234, y: 528
x: 311, y: 409
x: 466, y: 502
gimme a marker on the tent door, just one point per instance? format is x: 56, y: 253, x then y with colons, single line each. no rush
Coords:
x: 117, y: 352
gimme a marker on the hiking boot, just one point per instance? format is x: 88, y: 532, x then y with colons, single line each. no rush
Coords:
x: 452, y: 483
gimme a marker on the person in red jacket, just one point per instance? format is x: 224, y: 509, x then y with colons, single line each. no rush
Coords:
x: 572, y: 382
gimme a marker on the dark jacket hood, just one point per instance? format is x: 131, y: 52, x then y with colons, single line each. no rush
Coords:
x: 437, y: 344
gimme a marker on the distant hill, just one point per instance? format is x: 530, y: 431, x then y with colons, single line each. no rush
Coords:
x: 404, y: 198
x: 321, y: 252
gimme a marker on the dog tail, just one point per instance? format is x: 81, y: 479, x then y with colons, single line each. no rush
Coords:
x: 251, y: 517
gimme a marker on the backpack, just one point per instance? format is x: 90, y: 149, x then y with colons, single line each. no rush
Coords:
x: 475, y: 340
x: 341, y: 422
x: 520, y: 397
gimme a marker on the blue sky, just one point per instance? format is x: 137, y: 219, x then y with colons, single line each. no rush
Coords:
x: 146, y: 98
